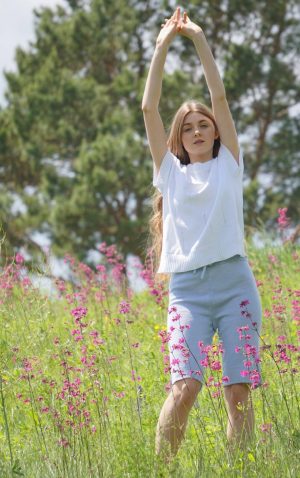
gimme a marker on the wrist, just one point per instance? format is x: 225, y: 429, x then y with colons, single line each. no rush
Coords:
x: 197, y: 34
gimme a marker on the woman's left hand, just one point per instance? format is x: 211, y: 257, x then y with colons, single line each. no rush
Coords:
x: 188, y: 28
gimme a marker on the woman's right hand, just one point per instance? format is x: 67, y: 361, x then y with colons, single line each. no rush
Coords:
x: 169, y: 29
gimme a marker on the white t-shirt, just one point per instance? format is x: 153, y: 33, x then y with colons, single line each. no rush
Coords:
x: 202, y: 211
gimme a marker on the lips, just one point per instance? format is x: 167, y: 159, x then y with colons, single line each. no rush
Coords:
x: 198, y: 141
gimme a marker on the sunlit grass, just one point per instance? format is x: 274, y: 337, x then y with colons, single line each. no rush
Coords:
x: 85, y: 374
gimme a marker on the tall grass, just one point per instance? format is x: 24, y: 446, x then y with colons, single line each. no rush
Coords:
x: 85, y: 372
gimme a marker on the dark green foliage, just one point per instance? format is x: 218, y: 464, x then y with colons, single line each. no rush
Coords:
x: 72, y: 138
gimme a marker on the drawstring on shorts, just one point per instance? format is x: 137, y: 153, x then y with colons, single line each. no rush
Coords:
x: 203, y: 271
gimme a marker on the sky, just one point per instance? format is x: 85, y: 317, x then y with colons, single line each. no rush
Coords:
x: 17, y: 29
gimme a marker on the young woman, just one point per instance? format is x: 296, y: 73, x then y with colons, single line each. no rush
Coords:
x: 198, y: 221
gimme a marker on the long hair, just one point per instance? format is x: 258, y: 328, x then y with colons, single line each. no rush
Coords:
x: 174, y: 143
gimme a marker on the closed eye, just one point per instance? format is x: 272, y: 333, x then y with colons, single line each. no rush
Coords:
x: 202, y: 126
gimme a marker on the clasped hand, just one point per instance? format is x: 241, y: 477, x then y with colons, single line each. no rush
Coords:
x: 177, y: 24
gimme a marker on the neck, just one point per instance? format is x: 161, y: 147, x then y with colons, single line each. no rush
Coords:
x: 203, y: 158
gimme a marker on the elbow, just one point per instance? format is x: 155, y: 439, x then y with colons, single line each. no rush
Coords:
x: 144, y: 103
x: 147, y: 108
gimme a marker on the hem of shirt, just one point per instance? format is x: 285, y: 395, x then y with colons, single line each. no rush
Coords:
x: 180, y: 263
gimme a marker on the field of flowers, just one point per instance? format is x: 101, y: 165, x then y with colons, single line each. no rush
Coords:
x: 85, y: 372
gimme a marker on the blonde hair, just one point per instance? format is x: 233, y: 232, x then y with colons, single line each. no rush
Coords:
x: 175, y: 145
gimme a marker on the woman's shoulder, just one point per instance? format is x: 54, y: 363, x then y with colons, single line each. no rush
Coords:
x: 229, y: 160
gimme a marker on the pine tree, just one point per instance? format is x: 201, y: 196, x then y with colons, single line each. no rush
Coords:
x: 73, y: 146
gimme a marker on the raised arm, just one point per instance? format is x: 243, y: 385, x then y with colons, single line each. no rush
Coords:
x: 154, y: 126
x: 221, y: 111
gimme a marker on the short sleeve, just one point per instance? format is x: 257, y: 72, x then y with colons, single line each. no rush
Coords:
x: 161, y: 178
x: 237, y: 169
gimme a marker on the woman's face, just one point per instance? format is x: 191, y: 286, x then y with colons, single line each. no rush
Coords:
x: 198, y: 136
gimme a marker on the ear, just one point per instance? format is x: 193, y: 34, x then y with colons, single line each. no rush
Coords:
x: 217, y: 134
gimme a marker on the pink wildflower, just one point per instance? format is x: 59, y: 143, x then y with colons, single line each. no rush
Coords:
x: 247, y: 363
x: 175, y: 361
x: 216, y: 394
x: 266, y: 427
x: 124, y: 307
x: 176, y: 317
x: 244, y: 303
x: 204, y: 362
x: 283, y: 220
x: 63, y: 442
x: 244, y: 373
x: 216, y: 365
x: 19, y: 258
x: 79, y: 312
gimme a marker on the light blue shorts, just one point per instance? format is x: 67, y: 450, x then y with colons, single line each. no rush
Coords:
x: 222, y: 297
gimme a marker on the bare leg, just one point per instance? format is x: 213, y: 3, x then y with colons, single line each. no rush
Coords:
x: 240, y: 425
x: 173, y: 417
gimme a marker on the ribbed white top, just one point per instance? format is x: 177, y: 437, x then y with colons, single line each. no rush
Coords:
x: 202, y: 211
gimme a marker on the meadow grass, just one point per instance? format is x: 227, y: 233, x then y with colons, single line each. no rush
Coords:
x: 85, y: 372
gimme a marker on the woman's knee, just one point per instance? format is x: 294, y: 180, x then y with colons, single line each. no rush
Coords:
x: 186, y: 390
x: 237, y: 393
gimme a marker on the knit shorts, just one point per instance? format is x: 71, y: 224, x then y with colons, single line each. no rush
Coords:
x: 221, y: 297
